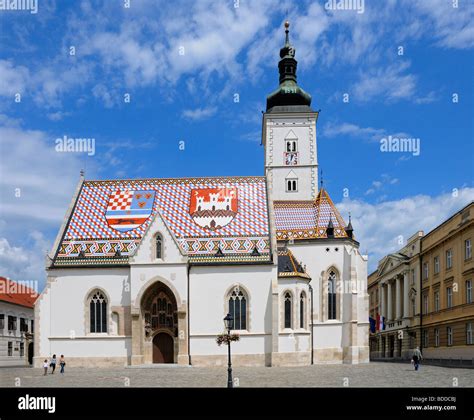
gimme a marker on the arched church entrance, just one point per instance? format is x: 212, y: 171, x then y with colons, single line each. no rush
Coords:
x: 163, y: 345
x: 160, y: 314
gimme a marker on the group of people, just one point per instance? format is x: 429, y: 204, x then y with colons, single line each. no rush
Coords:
x: 52, y: 364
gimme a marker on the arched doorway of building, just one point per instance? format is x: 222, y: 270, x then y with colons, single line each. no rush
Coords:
x: 163, y: 348
x: 160, y: 315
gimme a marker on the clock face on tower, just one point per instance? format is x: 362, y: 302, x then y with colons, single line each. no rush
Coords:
x: 291, y: 158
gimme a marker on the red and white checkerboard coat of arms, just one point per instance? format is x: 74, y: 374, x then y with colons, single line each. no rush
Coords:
x: 127, y: 210
x: 213, y: 208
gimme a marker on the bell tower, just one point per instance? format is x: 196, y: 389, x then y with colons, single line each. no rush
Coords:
x: 289, y: 134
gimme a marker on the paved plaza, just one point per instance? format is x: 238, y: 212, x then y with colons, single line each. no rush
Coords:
x: 369, y: 375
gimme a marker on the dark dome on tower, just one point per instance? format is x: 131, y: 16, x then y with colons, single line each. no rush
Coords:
x: 289, y: 97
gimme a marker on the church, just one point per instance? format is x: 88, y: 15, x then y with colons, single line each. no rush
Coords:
x: 143, y: 271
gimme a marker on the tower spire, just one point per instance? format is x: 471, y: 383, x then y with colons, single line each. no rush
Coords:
x: 288, y: 94
x: 287, y: 32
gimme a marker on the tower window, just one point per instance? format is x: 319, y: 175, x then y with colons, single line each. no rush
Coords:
x: 291, y: 185
x: 291, y: 146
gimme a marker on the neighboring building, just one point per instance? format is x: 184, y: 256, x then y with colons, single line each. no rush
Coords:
x: 394, y: 302
x: 144, y: 271
x: 16, y: 323
x: 447, y: 288
x: 439, y: 264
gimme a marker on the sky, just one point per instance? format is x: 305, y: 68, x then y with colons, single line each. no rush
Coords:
x: 176, y: 89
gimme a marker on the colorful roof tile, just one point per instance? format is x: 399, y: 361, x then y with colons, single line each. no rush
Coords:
x: 288, y: 266
x: 307, y: 219
x: 203, y: 214
x: 17, y: 293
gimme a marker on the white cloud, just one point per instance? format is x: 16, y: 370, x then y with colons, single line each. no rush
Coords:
x: 13, y: 79
x: 199, y: 113
x: 381, y: 185
x: 24, y: 263
x: 378, y: 226
x: 389, y: 82
x: 333, y: 129
x: 450, y: 26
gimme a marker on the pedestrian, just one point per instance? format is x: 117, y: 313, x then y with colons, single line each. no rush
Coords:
x: 62, y: 363
x: 52, y: 363
x: 417, y: 358
x: 45, y: 366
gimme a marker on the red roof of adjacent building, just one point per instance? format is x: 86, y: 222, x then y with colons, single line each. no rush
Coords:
x: 17, y: 293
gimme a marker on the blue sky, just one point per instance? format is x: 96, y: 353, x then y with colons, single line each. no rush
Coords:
x: 182, y: 64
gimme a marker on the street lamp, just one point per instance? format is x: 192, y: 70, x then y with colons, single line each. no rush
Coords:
x: 229, y: 324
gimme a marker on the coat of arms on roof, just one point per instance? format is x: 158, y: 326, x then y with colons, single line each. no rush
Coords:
x: 213, y: 208
x: 128, y: 209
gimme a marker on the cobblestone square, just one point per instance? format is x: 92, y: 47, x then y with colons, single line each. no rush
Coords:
x: 368, y: 375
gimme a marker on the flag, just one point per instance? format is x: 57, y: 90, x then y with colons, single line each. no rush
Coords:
x: 372, y: 324
x: 380, y: 323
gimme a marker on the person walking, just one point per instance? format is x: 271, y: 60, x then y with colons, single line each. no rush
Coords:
x: 62, y: 363
x: 45, y: 366
x: 52, y: 363
x: 417, y: 358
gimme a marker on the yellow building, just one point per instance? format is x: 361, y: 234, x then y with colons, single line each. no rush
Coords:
x: 447, y: 288
x: 440, y: 318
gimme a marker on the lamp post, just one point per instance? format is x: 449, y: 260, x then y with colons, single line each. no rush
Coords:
x: 229, y: 324
x: 312, y: 344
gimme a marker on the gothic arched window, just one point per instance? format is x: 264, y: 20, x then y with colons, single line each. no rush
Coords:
x: 98, y: 313
x: 332, y: 295
x: 158, y: 246
x: 288, y: 305
x: 302, y: 308
x: 238, y: 308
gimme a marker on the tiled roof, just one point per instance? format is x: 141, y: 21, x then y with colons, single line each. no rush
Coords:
x: 203, y: 214
x: 307, y: 219
x: 288, y: 266
x: 17, y: 293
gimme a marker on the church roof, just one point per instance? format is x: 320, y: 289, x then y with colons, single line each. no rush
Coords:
x: 17, y: 293
x: 213, y: 220
x: 288, y: 266
x: 307, y: 219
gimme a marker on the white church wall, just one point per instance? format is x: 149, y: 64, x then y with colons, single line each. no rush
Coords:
x: 327, y: 335
x: 209, y: 289
x: 332, y: 334
x: 62, y: 308
x: 91, y: 346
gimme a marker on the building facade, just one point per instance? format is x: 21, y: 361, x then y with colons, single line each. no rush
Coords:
x: 394, y: 302
x: 144, y: 271
x: 423, y: 296
x: 447, y: 288
x: 16, y: 323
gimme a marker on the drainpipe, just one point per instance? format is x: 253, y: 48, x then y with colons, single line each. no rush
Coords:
x: 312, y: 325
x: 189, y: 325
